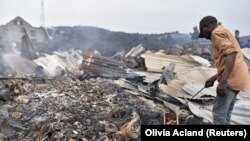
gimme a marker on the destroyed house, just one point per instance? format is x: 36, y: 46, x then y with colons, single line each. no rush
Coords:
x: 11, y: 34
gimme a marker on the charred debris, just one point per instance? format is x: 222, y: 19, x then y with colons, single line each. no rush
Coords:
x: 76, y: 95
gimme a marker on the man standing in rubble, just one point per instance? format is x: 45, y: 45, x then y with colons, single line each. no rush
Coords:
x: 237, y: 35
x: 232, y: 72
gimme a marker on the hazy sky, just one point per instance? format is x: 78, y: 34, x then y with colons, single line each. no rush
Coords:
x: 143, y: 16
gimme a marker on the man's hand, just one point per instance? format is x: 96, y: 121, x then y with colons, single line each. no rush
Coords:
x: 210, y: 82
x: 221, y: 88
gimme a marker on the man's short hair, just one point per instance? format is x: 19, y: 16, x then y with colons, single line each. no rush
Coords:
x: 204, y: 22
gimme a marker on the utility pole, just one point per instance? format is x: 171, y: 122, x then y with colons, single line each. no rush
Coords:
x: 42, y: 14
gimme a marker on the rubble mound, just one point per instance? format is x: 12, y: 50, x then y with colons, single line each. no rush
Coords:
x: 66, y: 109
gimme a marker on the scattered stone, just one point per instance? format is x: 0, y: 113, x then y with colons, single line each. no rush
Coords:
x: 22, y: 99
x: 17, y: 115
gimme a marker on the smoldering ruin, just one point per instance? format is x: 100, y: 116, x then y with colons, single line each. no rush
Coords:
x: 85, y: 83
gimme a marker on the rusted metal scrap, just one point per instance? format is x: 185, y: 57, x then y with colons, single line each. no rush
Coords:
x: 104, y: 67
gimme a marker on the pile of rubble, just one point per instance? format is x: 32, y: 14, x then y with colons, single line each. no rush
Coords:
x: 95, y: 109
x: 74, y: 96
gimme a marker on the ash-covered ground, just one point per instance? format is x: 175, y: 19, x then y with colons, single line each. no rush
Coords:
x: 70, y: 109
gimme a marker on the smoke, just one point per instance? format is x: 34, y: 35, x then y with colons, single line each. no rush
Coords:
x: 107, y: 42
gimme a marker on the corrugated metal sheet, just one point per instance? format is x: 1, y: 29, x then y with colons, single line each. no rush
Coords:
x: 190, y: 81
x: 184, y: 89
x: 60, y: 61
x: 52, y: 64
x: 240, y: 114
x: 201, y: 60
x: 174, y: 88
x: 207, y: 93
x: 246, y: 52
x: 197, y: 74
x: 135, y: 51
x: 155, y: 62
x: 105, y: 67
x: 71, y: 58
x: 149, y: 76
